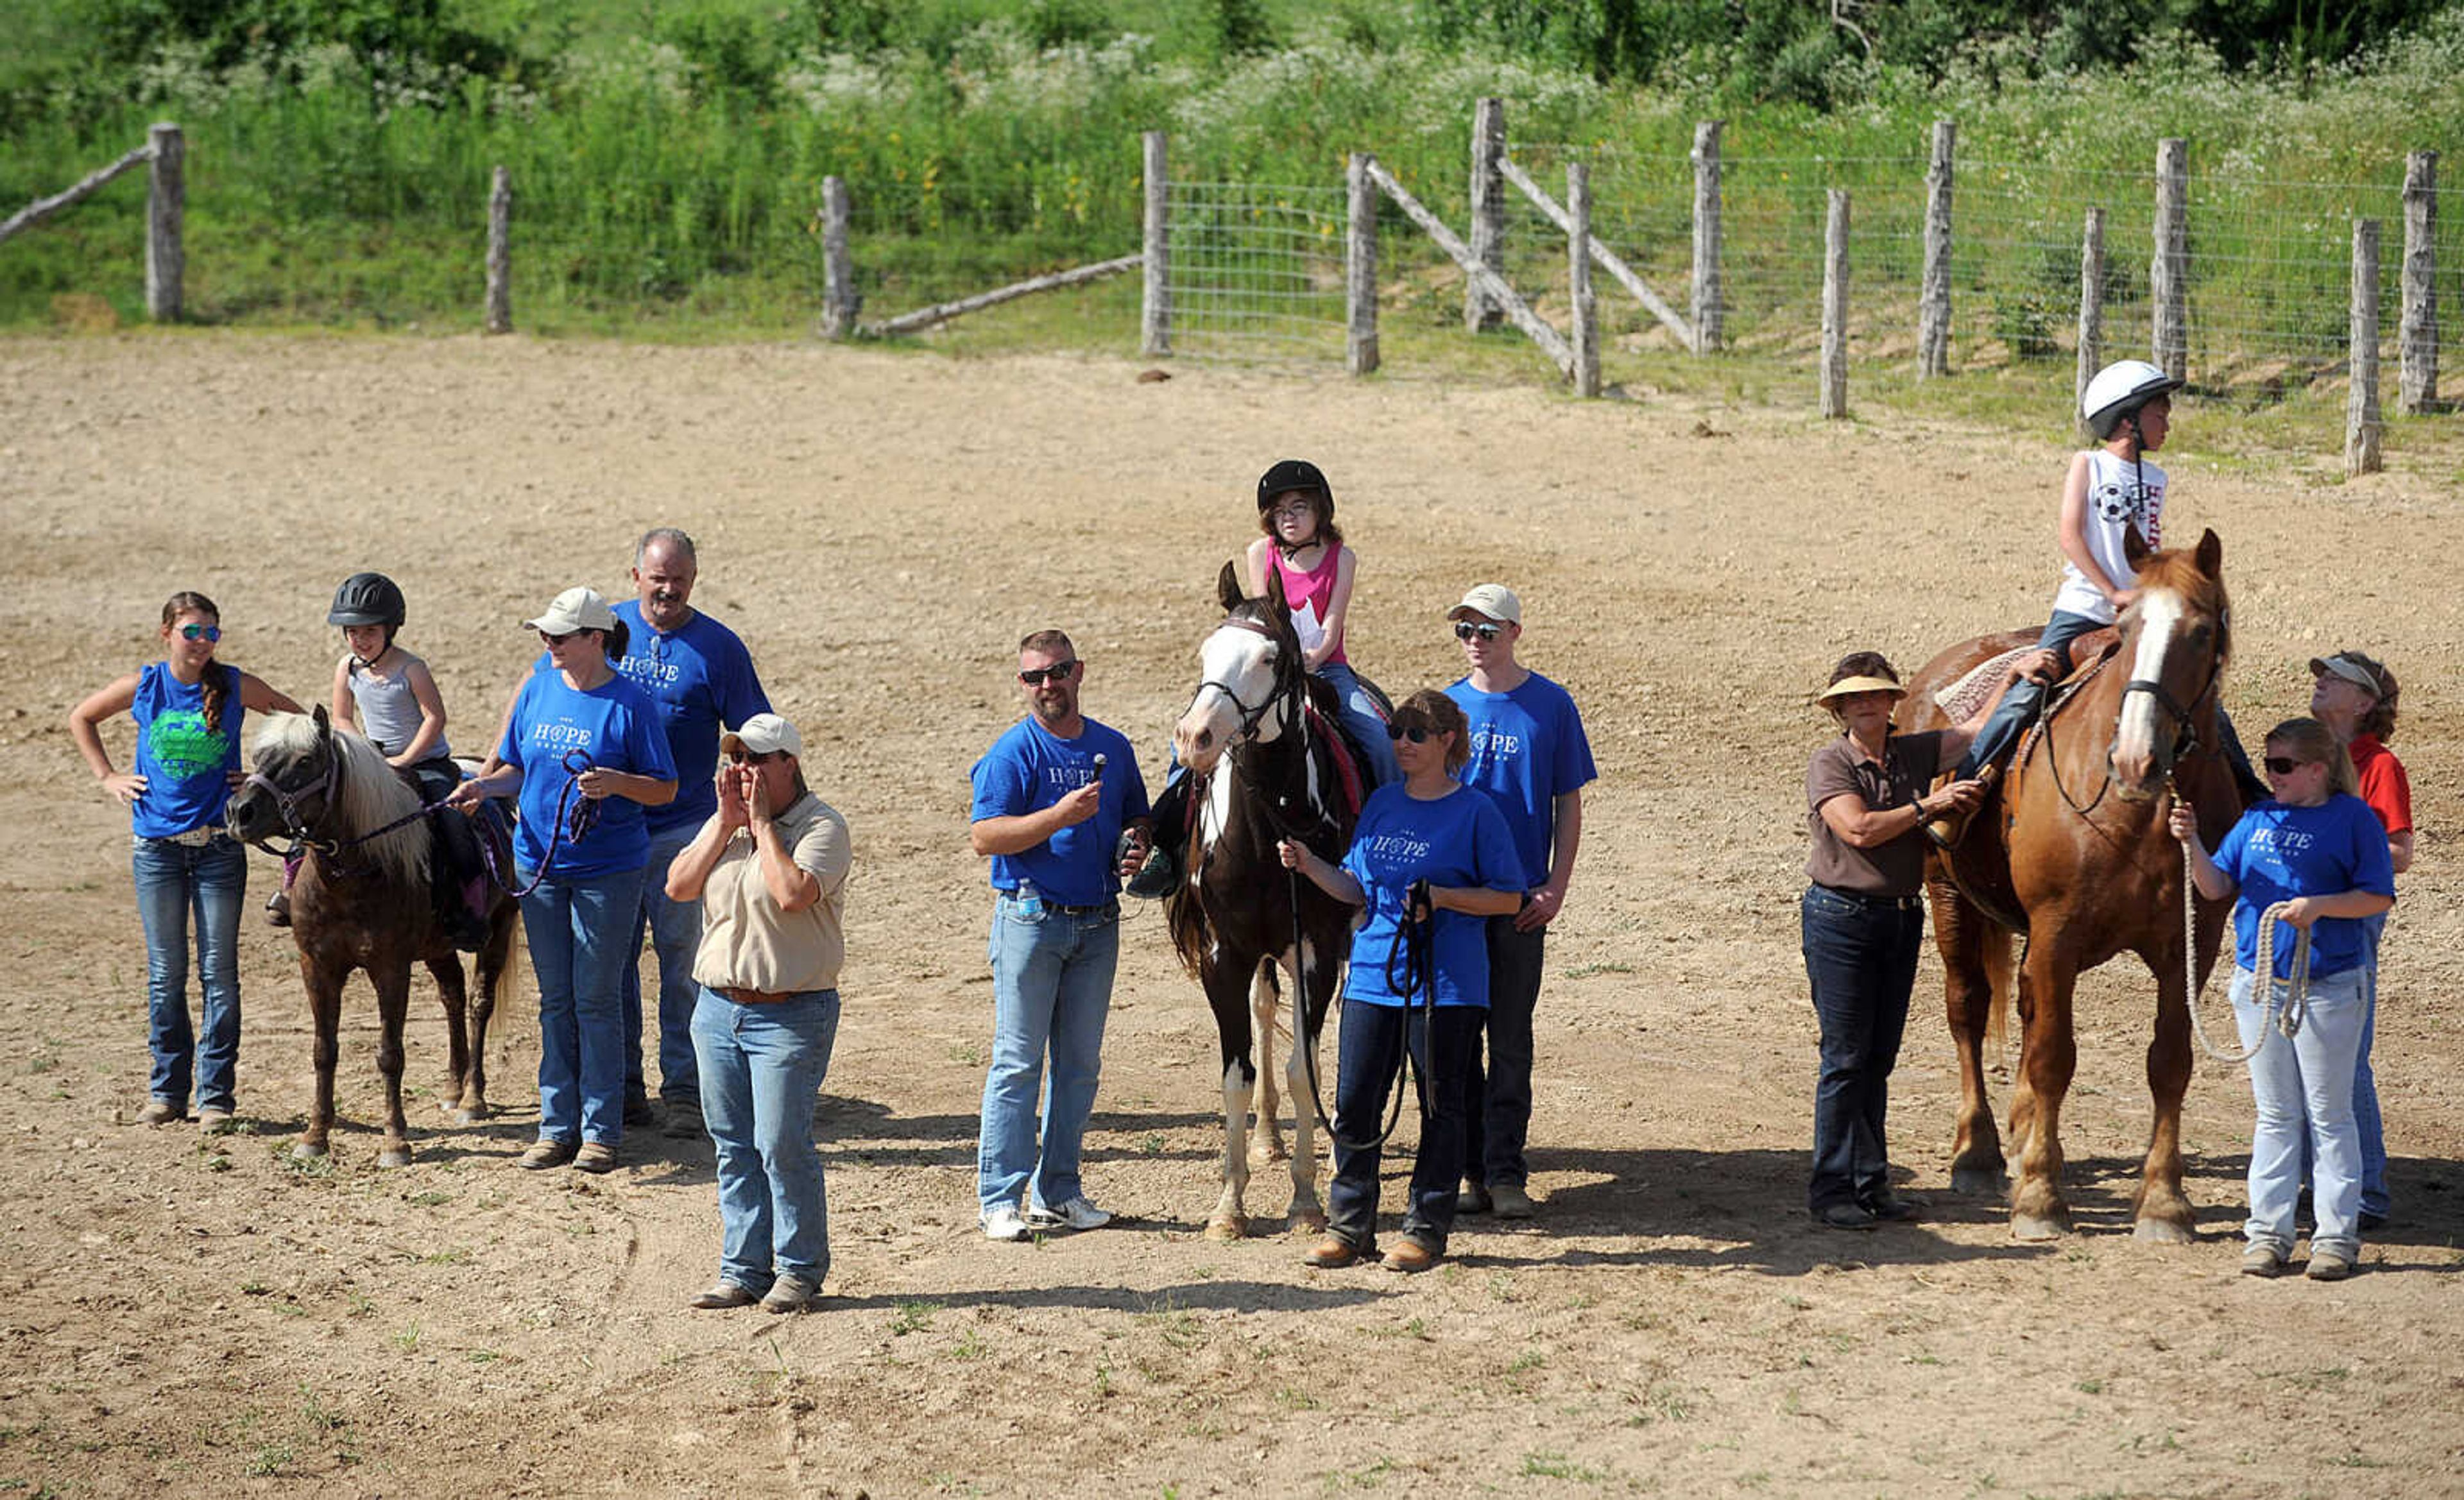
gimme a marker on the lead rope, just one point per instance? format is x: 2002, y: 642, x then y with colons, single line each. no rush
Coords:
x: 2288, y: 1018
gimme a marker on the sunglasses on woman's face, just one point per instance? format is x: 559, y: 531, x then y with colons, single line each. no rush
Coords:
x: 1418, y: 734
x: 2284, y: 765
x: 1465, y: 630
x: 201, y: 632
x: 1058, y: 671
x: 554, y: 639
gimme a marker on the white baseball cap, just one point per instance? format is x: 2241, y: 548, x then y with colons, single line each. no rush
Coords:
x: 1493, y: 600
x: 577, y: 608
x: 760, y: 735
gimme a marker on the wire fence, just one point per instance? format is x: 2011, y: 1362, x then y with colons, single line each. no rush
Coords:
x: 1257, y: 270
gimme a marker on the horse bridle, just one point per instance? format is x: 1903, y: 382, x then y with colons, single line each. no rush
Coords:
x: 287, y: 802
x: 2185, y: 731
x: 1250, y: 717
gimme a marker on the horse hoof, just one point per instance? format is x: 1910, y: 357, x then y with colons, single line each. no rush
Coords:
x: 308, y: 1151
x: 1308, y: 1220
x: 2164, y: 1231
x: 1267, y: 1153
x: 394, y: 1157
x: 1225, y: 1228
x: 1979, y: 1182
x: 474, y: 1114
x: 2034, y: 1229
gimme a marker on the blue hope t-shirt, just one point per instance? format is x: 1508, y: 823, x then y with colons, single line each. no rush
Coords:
x: 186, y: 765
x: 702, y: 679
x: 1459, y: 839
x: 2277, y: 853
x: 1028, y: 769
x: 1527, y: 749
x: 613, y: 727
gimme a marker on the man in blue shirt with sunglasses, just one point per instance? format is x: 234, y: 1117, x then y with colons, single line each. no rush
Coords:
x: 1529, y: 753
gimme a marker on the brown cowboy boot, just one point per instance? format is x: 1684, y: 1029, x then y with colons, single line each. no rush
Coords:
x: 1948, y: 829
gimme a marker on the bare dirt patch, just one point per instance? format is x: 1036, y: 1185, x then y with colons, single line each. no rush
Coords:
x: 882, y: 528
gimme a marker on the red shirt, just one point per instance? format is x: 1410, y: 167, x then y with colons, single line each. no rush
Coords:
x: 2383, y: 784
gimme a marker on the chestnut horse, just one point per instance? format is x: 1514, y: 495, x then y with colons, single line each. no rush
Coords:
x: 2071, y: 850
x: 360, y: 901
x: 1259, y: 744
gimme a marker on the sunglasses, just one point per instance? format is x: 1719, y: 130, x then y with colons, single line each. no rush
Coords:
x: 756, y: 756
x: 558, y: 640
x: 2285, y: 765
x: 1465, y: 630
x: 1418, y: 734
x: 201, y: 632
x: 1058, y: 671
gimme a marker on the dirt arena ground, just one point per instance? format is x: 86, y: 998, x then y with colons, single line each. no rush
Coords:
x: 205, y: 1316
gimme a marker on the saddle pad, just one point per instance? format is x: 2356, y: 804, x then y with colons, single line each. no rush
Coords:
x: 1347, y: 765
x: 1959, y: 701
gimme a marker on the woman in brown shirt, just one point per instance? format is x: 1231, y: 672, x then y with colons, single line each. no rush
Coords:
x: 1865, y: 802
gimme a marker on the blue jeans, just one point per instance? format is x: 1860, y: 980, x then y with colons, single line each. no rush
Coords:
x: 674, y: 929
x: 1360, y: 717
x: 763, y: 1068
x: 1497, y: 1101
x: 1861, y: 955
x: 1372, y: 1042
x: 2304, y: 1091
x: 576, y: 928
x: 1052, y: 989
x: 2021, y: 701
x: 176, y: 882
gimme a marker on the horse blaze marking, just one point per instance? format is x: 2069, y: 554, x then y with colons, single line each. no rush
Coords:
x: 2162, y: 614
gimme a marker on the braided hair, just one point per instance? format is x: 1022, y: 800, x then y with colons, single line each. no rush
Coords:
x: 220, y: 677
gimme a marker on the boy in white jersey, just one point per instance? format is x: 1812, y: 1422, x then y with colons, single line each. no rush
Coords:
x: 2110, y: 490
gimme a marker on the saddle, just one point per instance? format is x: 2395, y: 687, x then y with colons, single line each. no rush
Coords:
x: 1963, y: 698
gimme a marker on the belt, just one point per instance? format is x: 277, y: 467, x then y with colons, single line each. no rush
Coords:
x: 752, y: 997
x: 1067, y: 910
x: 1894, y: 903
x: 194, y: 838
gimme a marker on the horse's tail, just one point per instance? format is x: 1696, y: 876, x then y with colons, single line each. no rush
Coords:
x: 1997, y: 941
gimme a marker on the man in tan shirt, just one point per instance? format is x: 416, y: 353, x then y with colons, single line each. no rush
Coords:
x: 770, y: 870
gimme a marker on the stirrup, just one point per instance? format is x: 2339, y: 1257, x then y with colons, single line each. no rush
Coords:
x: 1944, y: 832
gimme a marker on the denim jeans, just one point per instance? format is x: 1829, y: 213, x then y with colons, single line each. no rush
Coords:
x: 1360, y: 717
x: 2366, y: 1084
x: 1497, y: 1101
x: 674, y: 929
x: 2020, y: 702
x: 576, y: 928
x: 177, y: 883
x: 761, y: 1068
x: 2303, y: 1090
x: 1861, y: 955
x: 1052, y: 989
x: 1371, y: 1043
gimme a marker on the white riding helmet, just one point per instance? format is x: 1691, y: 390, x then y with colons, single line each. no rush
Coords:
x: 2119, y: 390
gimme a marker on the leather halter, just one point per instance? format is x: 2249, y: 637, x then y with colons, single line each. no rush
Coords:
x: 287, y: 802
x: 2185, y: 731
x: 1250, y: 717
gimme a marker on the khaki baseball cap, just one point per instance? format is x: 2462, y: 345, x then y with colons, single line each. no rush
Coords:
x: 760, y: 735
x: 1493, y: 600
x: 575, y: 609
x: 2343, y: 665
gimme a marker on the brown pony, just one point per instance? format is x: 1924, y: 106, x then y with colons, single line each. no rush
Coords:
x: 2071, y: 850
x: 360, y: 901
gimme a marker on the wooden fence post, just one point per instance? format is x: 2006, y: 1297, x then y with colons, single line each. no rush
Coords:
x: 1933, y: 300
x: 2362, y: 404
x: 1487, y: 211
x: 2168, y: 275
x: 1586, y: 310
x: 1707, y: 292
x: 839, y: 304
x: 1835, y: 306
x: 497, y: 316
x: 2091, y: 313
x: 2417, y: 382
x: 166, y: 199
x: 1154, y: 321
x: 1360, y: 270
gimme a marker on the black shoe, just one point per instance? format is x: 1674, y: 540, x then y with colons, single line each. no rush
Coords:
x: 1890, y: 1207
x: 1474, y: 1198
x: 638, y: 1113
x: 1843, y: 1216
x: 2373, y: 1221
x: 277, y: 909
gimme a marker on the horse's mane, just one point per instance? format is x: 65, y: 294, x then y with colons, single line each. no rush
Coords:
x: 367, y: 794
x: 2177, y: 569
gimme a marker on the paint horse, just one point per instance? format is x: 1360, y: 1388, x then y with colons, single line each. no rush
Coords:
x: 361, y: 900
x: 2071, y: 850
x: 1264, y: 758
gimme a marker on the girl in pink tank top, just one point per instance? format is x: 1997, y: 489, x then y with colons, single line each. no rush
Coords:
x: 1303, y: 546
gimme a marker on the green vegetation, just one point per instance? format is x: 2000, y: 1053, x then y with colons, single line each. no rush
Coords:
x: 667, y: 155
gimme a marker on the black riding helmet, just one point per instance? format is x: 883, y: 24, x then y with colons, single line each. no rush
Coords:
x: 368, y: 599
x: 1294, y: 474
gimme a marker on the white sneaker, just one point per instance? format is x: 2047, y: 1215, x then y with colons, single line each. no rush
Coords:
x: 1005, y: 1224
x: 1079, y: 1213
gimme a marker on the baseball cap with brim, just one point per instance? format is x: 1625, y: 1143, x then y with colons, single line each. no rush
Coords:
x: 575, y: 609
x: 1848, y: 685
x: 760, y: 735
x: 1493, y: 600
x: 2351, y: 671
